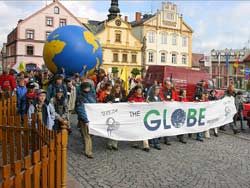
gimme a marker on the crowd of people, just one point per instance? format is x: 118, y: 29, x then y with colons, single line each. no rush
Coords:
x: 54, y: 97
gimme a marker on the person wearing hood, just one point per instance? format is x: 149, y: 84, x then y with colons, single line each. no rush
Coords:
x: 44, y: 112
x: 85, y: 96
x: 60, y: 104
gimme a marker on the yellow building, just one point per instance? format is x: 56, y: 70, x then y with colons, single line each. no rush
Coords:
x: 120, y: 47
x: 167, y: 38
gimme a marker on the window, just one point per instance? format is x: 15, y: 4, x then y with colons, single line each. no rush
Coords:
x: 30, y: 34
x: 30, y: 50
x: 184, y: 41
x: 184, y: 59
x: 174, y: 59
x: 163, y: 57
x: 124, y: 57
x: 47, y: 34
x: 115, y: 57
x: 163, y: 38
x: 169, y: 16
x: 134, y: 58
x: 56, y: 10
x: 62, y: 22
x: 118, y: 37
x: 150, y: 57
x: 151, y: 37
x: 174, y: 39
x: 49, y: 21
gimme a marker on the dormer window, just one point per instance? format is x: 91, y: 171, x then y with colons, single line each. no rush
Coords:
x: 56, y: 10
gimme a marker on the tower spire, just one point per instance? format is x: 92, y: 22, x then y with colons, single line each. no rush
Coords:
x: 113, y: 10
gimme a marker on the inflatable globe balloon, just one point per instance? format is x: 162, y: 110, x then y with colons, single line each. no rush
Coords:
x: 72, y: 49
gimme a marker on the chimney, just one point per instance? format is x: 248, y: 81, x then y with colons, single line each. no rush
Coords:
x: 137, y: 16
x: 126, y: 18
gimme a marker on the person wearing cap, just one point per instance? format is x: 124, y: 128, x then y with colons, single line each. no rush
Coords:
x: 57, y: 84
x: 155, y: 97
x: 85, y: 96
x: 44, y: 112
x: 27, y: 99
x: 60, y: 105
x: 138, y: 97
x: 212, y: 97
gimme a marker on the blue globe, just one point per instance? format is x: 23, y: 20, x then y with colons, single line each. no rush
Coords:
x: 178, y: 118
x: 72, y: 48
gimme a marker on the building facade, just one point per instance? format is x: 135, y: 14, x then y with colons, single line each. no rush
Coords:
x: 222, y: 74
x: 166, y: 37
x: 120, y: 47
x: 25, y: 43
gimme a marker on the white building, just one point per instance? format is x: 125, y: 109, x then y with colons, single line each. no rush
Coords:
x: 167, y: 38
x: 25, y: 43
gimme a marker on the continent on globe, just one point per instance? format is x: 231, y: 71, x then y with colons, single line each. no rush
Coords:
x: 90, y: 38
x: 51, y: 49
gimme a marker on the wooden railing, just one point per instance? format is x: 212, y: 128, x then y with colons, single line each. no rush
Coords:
x: 32, y: 155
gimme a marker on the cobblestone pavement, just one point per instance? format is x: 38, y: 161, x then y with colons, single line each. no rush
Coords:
x: 222, y: 162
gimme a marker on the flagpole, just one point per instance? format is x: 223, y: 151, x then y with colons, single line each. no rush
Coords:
x: 219, y: 70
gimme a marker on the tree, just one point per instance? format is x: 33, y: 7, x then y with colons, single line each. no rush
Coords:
x: 135, y: 72
x: 115, y: 70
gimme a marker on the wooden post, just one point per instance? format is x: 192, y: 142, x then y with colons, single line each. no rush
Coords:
x: 64, y: 154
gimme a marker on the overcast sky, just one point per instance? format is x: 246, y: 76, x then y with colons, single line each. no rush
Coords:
x: 216, y: 24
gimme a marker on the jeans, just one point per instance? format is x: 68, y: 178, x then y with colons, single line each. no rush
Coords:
x: 155, y: 142
x: 198, y: 136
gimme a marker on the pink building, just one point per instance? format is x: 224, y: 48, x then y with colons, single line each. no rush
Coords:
x: 25, y: 43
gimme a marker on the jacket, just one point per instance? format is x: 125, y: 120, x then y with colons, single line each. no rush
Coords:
x: 61, y: 108
x: 7, y: 82
x: 154, y: 98
x: 82, y: 99
x: 135, y: 98
x: 20, y: 92
x: 72, y: 92
x: 51, y: 92
x: 48, y: 114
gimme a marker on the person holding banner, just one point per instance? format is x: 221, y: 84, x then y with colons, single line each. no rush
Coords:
x: 212, y: 97
x: 230, y: 92
x: 138, y: 97
x: 116, y: 96
x: 167, y: 94
x: 85, y: 96
x: 155, y: 142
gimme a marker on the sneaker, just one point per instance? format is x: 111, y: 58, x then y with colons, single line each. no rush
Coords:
x: 222, y: 128
x: 114, y: 148
x: 183, y: 141
x: 89, y: 156
x: 236, y: 131
x: 146, y: 149
x: 216, y: 135
x: 158, y: 147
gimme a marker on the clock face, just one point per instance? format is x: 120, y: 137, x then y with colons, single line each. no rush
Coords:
x: 118, y: 22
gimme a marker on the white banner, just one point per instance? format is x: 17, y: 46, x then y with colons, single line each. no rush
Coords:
x: 142, y: 121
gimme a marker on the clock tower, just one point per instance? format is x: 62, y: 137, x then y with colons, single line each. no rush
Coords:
x: 113, y: 10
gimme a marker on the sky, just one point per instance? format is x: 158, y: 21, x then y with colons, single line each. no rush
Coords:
x: 216, y: 24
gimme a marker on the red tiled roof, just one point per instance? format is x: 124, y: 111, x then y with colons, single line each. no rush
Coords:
x: 196, y: 59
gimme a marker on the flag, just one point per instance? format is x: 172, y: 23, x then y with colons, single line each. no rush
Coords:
x: 227, y: 60
x: 124, y: 77
x: 236, y: 64
x: 19, y: 67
